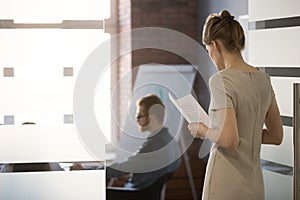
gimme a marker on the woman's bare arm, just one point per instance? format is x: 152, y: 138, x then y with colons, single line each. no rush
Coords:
x: 227, y: 136
x: 273, y: 133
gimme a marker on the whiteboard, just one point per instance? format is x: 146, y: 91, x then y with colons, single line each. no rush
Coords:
x: 160, y: 80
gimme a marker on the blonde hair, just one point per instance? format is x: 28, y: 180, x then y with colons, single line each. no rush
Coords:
x: 226, y: 29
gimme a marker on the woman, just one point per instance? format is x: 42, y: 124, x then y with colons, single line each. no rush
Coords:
x: 242, y: 101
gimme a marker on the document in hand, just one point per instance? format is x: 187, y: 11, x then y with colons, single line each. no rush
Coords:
x: 190, y: 109
x: 193, y: 112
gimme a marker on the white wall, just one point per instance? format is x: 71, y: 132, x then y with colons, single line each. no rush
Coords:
x: 274, y: 44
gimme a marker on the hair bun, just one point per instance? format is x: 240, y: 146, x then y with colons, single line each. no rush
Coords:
x: 223, y: 27
x: 225, y: 14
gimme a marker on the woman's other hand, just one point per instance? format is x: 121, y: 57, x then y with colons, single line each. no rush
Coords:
x: 198, y: 129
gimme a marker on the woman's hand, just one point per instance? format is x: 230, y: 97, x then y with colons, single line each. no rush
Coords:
x: 198, y: 129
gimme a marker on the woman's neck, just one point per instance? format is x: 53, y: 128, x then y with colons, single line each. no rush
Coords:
x: 233, y: 60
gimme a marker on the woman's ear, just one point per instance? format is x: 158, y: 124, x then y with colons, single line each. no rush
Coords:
x: 219, y: 45
x: 216, y: 45
x: 213, y: 43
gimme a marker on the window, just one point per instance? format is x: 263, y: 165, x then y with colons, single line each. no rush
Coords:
x: 43, y: 46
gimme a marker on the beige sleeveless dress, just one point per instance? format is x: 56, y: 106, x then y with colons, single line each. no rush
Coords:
x: 237, y: 175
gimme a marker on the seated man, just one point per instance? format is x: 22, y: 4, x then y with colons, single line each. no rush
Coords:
x: 157, y: 156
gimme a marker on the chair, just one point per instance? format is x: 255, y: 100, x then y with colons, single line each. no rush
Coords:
x: 151, y: 192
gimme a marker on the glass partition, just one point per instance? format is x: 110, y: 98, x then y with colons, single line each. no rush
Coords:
x: 44, y: 43
x: 74, y: 185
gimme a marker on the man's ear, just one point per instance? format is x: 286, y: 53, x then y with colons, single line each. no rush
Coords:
x: 151, y: 117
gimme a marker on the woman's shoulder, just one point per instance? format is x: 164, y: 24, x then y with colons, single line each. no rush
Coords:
x: 219, y: 77
x: 230, y: 73
x: 215, y: 77
x: 231, y: 78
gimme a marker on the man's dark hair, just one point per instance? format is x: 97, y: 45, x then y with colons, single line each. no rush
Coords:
x: 153, y: 105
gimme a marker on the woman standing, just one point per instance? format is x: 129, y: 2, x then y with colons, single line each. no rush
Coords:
x: 242, y: 101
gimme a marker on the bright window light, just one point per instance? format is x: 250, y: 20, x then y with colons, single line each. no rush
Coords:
x: 48, y: 47
x: 42, y: 54
x: 54, y: 11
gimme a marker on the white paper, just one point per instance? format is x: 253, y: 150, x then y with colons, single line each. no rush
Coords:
x: 190, y: 109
